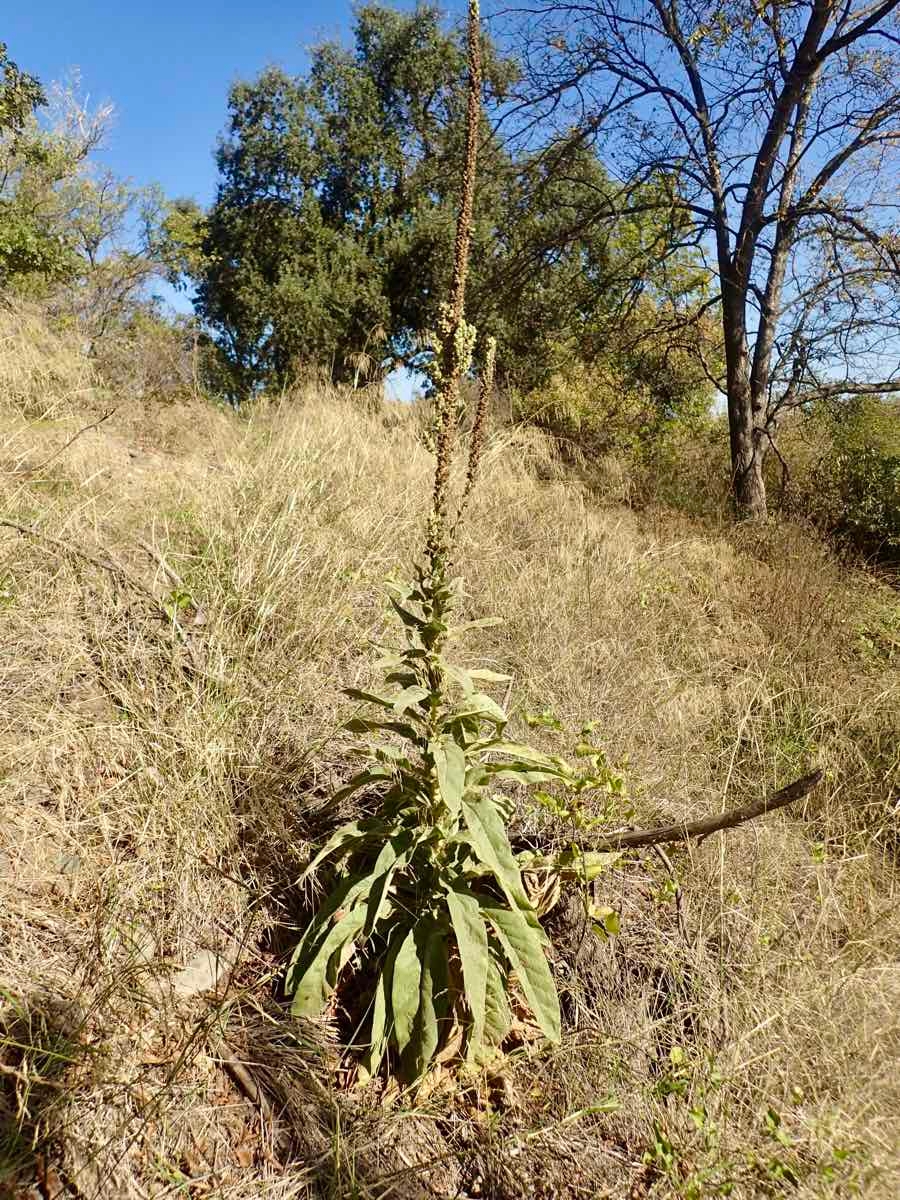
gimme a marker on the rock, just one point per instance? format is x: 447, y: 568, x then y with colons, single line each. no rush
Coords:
x: 202, y: 973
x: 68, y: 864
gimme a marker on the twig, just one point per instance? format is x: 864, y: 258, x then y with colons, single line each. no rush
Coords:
x: 242, y: 1077
x: 65, y: 445
x: 679, y: 895
x: 114, y: 568
x: 162, y: 563
x: 253, y: 1092
x: 109, y: 564
x: 712, y: 824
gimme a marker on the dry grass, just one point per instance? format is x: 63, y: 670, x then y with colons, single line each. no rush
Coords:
x: 163, y: 778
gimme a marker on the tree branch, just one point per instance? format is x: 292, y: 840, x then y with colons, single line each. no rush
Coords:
x: 702, y: 828
x: 56, y: 453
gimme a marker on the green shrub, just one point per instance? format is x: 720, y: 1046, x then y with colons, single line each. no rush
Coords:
x: 845, y: 473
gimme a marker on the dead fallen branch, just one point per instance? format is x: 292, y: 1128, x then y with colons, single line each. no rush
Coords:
x: 115, y: 568
x: 74, y: 438
x: 687, y: 830
x: 167, y: 569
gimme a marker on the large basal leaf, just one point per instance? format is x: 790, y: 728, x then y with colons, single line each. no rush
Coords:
x: 450, y: 764
x: 380, y: 1029
x: 343, y: 896
x: 347, y: 838
x: 472, y: 942
x: 393, y: 857
x: 431, y: 943
x: 489, y: 839
x: 524, y: 948
x: 348, y: 893
x: 405, y: 990
x: 497, y: 1017
x: 312, y: 987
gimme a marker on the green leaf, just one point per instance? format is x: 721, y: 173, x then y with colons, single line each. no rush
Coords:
x: 345, y: 895
x: 312, y: 987
x: 520, y: 772
x: 608, y: 923
x: 524, y: 948
x: 472, y: 942
x: 403, y: 678
x: 347, y: 838
x: 497, y: 1017
x: 487, y: 676
x: 387, y: 753
x: 393, y: 857
x: 405, y: 990
x: 364, y: 725
x: 584, y: 865
x: 450, y: 764
x: 460, y: 676
x: 431, y: 941
x: 374, y: 774
x: 409, y: 619
x: 481, y: 623
x: 522, y: 753
x: 545, y: 719
x: 489, y: 840
x: 369, y: 697
x: 479, y: 705
x: 408, y: 697
x: 379, y: 1031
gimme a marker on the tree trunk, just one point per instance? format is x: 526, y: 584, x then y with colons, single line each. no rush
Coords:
x: 748, y: 488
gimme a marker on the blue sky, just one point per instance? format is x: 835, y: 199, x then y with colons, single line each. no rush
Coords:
x: 167, y: 67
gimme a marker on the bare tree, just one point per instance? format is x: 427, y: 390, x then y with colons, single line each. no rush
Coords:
x: 772, y: 129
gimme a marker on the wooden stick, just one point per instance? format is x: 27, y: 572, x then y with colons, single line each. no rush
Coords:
x: 702, y: 828
x: 162, y: 563
x: 66, y: 445
x: 114, y: 568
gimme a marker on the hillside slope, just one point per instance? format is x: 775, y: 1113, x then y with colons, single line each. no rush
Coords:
x: 184, y: 594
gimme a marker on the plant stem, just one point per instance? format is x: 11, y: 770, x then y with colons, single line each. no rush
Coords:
x: 453, y: 349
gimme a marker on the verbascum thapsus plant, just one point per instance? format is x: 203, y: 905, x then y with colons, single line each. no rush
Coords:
x: 427, y: 903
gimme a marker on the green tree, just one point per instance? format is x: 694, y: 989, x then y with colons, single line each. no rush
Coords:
x: 72, y: 233
x: 333, y: 218
x: 331, y: 235
x: 20, y: 95
x: 24, y: 245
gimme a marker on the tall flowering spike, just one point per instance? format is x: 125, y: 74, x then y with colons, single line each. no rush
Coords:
x: 456, y: 337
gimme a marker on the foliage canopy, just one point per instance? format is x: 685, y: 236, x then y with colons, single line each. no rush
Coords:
x: 330, y: 239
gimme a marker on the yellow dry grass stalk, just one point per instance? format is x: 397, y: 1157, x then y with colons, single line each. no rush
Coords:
x: 44, y: 372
